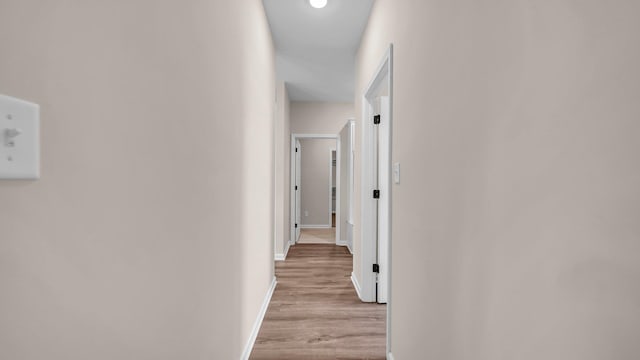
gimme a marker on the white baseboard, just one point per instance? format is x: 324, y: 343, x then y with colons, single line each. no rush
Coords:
x: 344, y: 243
x: 390, y: 356
x: 321, y: 226
x: 283, y: 257
x: 286, y: 250
x: 256, y: 326
x: 356, y: 285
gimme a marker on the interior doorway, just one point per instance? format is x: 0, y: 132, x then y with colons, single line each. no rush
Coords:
x: 313, y: 181
x: 346, y: 163
x: 376, y: 187
x: 297, y: 172
x: 332, y: 191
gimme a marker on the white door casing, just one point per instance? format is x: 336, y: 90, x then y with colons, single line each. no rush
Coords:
x: 384, y: 165
x: 382, y: 80
x: 298, y: 189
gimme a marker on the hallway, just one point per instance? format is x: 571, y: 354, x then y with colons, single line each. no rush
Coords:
x: 315, y: 312
x: 487, y: 176
x: 317, y: 236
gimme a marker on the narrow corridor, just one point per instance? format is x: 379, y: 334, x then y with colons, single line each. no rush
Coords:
x: 315, y: 312
x: 317, y: 236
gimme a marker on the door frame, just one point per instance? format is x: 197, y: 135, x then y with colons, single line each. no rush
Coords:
x: 383, y: 162
x: 368, y: 213
x: 297, y: 176
x: 331, y: 150
x: 292, y: 204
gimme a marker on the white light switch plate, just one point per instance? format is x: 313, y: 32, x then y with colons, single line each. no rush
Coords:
x: 396, y: 173
x: 19, y: 139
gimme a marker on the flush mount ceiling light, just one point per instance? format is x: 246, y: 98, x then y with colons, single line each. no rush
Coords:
x: 318, y: 4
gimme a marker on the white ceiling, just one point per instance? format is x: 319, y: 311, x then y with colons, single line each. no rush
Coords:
x: 316, y: 48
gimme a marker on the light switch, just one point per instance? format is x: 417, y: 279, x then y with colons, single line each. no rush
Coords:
x: 20, y: 139
x: 396, y: 173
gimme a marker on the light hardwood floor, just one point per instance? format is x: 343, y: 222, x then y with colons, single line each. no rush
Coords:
x: 317, y: 236
x: 315, y: 312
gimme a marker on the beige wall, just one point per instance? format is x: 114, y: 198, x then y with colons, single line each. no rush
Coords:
x: 283, y: 163
x: 257, y: 109
x: 149, y: 234
x: 516, y: 126
x: 319, y: 118
x: 315, y: 181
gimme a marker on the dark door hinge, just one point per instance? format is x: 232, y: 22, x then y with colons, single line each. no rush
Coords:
x: 296, y: 187
x: 296, y: 226
x: 376, y: 119
x: 376, y: 268
x: 296, y: 149
x: 376, y: 194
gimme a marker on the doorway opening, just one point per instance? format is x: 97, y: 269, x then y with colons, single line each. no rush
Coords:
x: 332, y: 191
x: 314, y: 181
x: 376, y: 187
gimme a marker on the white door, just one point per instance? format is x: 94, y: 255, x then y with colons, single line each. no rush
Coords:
x: 383, y: 180
x: 297, y: 187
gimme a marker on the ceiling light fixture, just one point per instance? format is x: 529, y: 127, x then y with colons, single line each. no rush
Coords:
x: 318, y: 4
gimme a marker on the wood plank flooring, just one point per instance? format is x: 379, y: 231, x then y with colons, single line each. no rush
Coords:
x: 315, y: 312
x: 317, y: 236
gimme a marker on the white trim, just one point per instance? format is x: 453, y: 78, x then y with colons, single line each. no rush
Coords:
x: 331, y: 212
x: 293, y: 197
x: 283, y: 257
x: 256, y: 326
x: 331, y: 150
x: 349, y: 225
x: 338, y: 186
x: 314, y: 136
x: 323, y: 226
x: 384, y: 206
x: 390, y: 356
x: 368, y: 214
x: 274, y: 191
x: 390, y: 55
x: 351, y: 178
x: 345, y: 244
x: 367, y: 206
x: 356, y: 285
